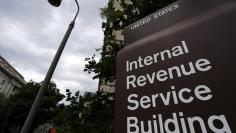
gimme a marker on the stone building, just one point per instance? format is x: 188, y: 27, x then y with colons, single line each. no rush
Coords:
x: 10, y: 78
x: 106, y: 86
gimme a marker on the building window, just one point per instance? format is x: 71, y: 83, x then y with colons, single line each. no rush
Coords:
x: 3, y: 82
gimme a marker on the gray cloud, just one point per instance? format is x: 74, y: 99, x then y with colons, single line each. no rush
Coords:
x: 31, y: 32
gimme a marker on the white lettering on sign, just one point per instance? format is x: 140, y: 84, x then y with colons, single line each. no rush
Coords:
x: 180, y: 123
x: 162, y: 12
x: 140, y: 23
x: 157, y: 57
x: 184, y: 95
x: 201, y: 65
x: 166, y: 10
x: 171, y: 96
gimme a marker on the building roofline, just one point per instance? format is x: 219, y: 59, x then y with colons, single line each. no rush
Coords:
x: 20, y: 80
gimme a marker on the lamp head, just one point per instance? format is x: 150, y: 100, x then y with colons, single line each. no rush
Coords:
x: 55, y: 3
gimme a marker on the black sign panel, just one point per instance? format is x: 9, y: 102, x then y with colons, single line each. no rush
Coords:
x: 177, y: 73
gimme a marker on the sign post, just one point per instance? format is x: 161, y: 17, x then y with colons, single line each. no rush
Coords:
x: 176, y: 73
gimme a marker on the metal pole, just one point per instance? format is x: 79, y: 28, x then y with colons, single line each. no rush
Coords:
x: 36, y: 104
x: 30, y: 118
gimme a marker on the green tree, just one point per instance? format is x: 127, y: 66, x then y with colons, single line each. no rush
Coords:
x: 88, y: 113
x: 16, y: 107
x: 105, y: 68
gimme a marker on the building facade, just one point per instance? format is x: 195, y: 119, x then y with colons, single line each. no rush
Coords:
x: 118, y: 38
x: 10, y: 79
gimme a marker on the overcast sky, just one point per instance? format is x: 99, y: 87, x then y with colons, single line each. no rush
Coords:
x: 31, y: 31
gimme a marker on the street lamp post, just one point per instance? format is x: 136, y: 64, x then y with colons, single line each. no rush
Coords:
x: 30, y: 118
